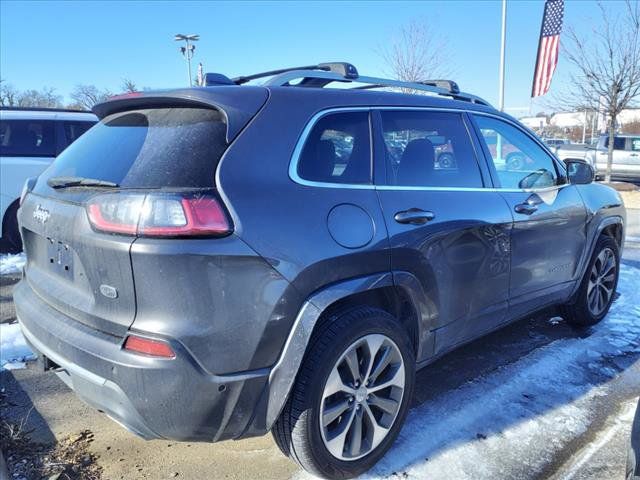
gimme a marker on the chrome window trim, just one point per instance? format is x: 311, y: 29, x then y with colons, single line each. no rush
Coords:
x: 295, y: 157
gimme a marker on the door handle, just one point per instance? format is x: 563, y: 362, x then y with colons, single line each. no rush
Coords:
x: 530, y: 205
x: 414, y: 216
x: 526, y: 208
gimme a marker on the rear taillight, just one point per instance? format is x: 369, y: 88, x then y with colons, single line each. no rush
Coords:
x: 147, y: 346
x: 159, y: 214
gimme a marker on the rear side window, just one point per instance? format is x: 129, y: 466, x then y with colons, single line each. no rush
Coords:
x: 633, y: 144
x: 429, y: 149
x: 150, y: 148
x: 27, y: 138
x: 338, y: 150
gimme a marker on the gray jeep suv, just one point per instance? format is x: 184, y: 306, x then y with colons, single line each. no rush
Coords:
x: 216, y: 262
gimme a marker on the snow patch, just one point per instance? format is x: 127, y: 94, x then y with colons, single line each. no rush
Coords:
x: 14, y: 350
x: 12, y: 263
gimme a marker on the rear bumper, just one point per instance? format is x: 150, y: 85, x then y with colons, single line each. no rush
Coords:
x: 154, y: 398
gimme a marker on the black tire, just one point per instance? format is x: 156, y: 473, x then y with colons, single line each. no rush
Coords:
x: 578, y: 312
x: 10, y: 230
x: 297, y: 431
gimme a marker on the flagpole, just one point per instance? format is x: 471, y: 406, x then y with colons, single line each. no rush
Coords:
x: 502, y: 52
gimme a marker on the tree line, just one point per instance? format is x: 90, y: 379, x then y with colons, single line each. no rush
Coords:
x: 83, y: 96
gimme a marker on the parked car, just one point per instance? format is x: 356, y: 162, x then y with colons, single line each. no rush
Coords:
x: 29, y: 141
x: 626, y: 156
x: 218, y: 262
x: 633, y: 460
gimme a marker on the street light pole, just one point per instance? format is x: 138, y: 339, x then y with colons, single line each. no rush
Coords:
x: 187, y: 50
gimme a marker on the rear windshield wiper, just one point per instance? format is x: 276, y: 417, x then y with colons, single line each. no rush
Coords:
x: 66, y: 182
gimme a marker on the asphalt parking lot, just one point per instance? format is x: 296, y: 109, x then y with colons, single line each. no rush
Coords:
x: 604, y: 395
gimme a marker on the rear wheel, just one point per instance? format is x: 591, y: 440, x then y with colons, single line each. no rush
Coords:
x: 351, y: 395
x: 598, y: 286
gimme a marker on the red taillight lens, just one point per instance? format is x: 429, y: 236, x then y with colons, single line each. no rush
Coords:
x: 158, y: 214
x: 146, y: 346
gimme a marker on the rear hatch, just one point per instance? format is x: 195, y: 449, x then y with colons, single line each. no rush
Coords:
x: 137, y: 150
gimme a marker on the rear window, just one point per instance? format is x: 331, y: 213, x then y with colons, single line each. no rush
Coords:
x: 148, y: 148
x: 27, y: 138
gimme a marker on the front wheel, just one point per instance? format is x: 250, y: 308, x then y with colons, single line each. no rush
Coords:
x: 351, y: 395
x: 596, y: 293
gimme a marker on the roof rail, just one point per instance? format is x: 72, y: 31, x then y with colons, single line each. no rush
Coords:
x: 322, y: 74
x: 319, y: 79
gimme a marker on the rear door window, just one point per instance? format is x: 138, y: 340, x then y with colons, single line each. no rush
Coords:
x: 27, y: 138
x: 338, y: 150
x: 429, y: 149
x: 148, y: 148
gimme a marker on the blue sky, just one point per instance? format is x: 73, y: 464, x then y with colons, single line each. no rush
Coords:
x: 60, y: 44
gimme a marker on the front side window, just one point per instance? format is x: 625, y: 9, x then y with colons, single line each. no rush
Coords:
x: 428, y: 149
x: 519, y: 161
x: 338, y: 150
x: 27, y: 138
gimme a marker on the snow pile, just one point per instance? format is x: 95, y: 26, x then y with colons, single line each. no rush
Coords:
x: 511, y: 422
x: 11, y: 263
x: 13, y: 348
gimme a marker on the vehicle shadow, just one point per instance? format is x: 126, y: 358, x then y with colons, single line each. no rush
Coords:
x: 17, y: 409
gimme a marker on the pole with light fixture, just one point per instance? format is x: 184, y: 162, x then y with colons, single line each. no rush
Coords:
x: 188, y: 49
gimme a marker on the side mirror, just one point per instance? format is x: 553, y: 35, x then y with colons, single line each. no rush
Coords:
x: 580, y: 172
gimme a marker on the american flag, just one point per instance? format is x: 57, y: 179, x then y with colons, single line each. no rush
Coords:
x: 548, y: 46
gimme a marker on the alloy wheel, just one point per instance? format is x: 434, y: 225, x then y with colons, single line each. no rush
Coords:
x: 601, y: 282
x: 362, y: 397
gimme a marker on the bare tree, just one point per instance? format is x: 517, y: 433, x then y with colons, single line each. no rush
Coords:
x: 606, y: 63
x: 45, y: 98
x: 8, y: 94
x: 128, y: 85
x: 86, y: 96
x: 416, y: 54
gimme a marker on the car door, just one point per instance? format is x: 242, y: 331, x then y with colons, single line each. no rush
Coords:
x: 548, y: 238
x: 445, y: 228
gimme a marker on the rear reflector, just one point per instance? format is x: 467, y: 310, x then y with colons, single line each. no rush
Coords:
x: 146, y: 346
x: 159, y: 214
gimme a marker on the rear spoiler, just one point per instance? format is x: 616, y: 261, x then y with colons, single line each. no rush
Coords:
x: 238, y: 104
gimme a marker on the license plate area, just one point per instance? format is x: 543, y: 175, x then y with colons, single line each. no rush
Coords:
x: 60, y: 258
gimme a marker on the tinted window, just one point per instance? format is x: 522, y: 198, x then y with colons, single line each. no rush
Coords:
x: 73, y: 130
x: 338, y: 150
x: 618, y: 143
x: 164, y: 147
x: 27, y: 138
x: 519, y: 161
x: 429, y: 149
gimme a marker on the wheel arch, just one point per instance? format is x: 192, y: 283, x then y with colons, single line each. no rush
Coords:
x: 394, y: 292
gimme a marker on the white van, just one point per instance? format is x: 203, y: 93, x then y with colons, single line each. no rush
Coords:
x: 30, y: 139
